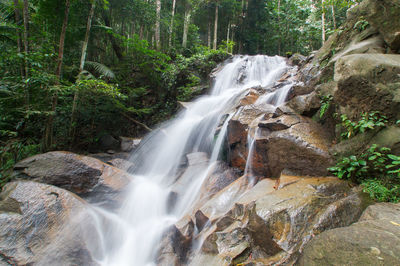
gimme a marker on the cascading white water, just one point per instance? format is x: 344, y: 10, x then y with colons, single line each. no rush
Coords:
x: 129, y: 236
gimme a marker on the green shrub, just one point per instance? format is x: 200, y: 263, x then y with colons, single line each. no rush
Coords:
x: 325, y: 104
x: 376, y: 169
x: 12, y: 152
x: 368, y: 121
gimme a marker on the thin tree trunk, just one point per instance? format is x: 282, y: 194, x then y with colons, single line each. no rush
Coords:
x: 171, y: 26
x: 333, y: 16
x: 279, y: 29
x: 26, y: 34
x: 86, y: 41
x: 216, y: 26
x: 19, y: 36
x: 186, y: 23
x: 136, y: 122
x: 209, y: 35
x: 323, y: 23
x: 157, y: 30
x: 227, y: 37
x: 26, y: 50
x: 81, y: 66
x: 114, y: 43
x: 48, y: 140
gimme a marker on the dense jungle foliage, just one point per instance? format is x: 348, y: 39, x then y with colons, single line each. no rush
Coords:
x: 72, y: 71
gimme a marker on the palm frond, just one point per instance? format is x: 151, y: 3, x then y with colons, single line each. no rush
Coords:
x: 101, y: 69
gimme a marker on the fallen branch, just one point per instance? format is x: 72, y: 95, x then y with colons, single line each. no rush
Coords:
x: 137, y: 122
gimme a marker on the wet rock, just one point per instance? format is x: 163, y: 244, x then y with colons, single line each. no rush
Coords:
x: 307, y: 105
x: 250, y: 98
x: 297, y: 59
x: 173, y: 248
x: 197, y: 158
x: 33, y: 219
x: 280, y: 123
x: 238, y: 131
x: 373, y: 240
x: 184, y: 105
x: 106, y: 157
x: 129, y: 144
x: 219, y: 176
x: 302, y: 148
x: 368, y: 83
x: 285, y: 142
x: 82, y: 175
x: 272, y: 221
x: 121, y: 164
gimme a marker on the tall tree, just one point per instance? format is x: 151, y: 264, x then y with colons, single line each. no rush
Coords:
x: 171, y: 26
x: 323, y: 22
x: 82, y: 64
x: 26, y: 34
x: 186, y: 23
x: 157, y: 29
x: 48, y: 138
x: 19, y: 37
x: 215, y: 26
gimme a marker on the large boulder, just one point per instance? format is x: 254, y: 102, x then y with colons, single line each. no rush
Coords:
x: 272, y: 221
x: 281, y: 141
x: 83, y: 175
x: 368, y: 83
x: 34, y: 218
x: 373, y: 240
x: 383, y: 16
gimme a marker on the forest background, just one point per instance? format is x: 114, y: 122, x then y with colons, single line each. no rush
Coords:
x: 74, y: 71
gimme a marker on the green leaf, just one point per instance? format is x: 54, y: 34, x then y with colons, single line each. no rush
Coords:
x: 394, y: 157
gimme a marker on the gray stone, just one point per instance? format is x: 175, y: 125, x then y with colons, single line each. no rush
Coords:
x: 374, y: 240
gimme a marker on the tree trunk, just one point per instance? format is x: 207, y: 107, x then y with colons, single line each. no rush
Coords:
x: 19, y: 36
x: 186, y: 23
x: 86, y: 41
x: 157, y: 33
x: 209, y: 35
x: 48, y: 140
x: 323, y: 23
x: 334, y: 17
x: 216, y: 26
x: 171, y: 26
x: 279, y: 29
x: 26, y: 34
x: 114, y: 43
x: 227, y: 36
x: 26, y: 50
x: 81, y: 66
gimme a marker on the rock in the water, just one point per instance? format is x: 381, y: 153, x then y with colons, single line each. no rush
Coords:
x: 33, y: 217
x: 121, y: 164
x: 129, y: 144
x: 272, y: 221
x: 373, y: 240
x: 286, y: 142
x: 82, y: 175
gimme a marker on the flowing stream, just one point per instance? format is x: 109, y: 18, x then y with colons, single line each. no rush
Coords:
x: 130, y: 235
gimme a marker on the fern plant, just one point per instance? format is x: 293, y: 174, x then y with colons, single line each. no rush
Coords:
x: 325, y: 104
x: 100, y: 69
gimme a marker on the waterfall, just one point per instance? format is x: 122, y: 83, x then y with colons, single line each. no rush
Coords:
x: 130, y: 234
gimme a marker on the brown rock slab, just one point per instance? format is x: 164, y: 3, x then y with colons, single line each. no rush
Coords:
x: 82, y: 175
